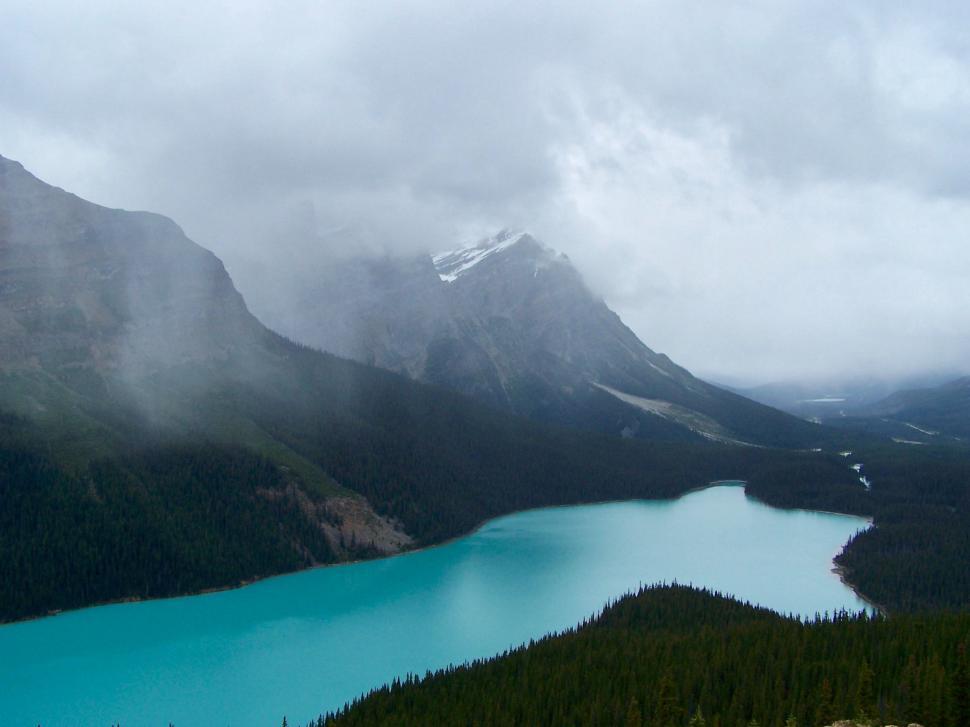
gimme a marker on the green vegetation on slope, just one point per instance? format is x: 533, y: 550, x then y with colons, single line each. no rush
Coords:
x: 152, y: 524
x: 675, y: 656
x: 919, y: 555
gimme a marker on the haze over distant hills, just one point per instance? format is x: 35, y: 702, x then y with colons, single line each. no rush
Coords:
x: 510, y: 321
x: 946, y: 406
x: 931, y: 415
x: 929, y: 409
x: 820, y: 400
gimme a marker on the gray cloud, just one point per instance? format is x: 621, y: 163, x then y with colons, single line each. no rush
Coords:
x: 762, y: 189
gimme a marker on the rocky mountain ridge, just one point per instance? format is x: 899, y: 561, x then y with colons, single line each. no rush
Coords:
x: 83, y: 285
x: 511, y: 322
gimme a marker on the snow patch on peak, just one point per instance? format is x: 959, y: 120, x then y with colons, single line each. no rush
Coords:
x: 453, y: 264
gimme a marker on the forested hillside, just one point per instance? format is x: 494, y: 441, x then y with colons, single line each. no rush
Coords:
x: 919, y: 555
x: 916, y: 557
x: 674, y: 656
x: 154, y: 524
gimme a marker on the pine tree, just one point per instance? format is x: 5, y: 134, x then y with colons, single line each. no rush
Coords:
x: 960, y: 689
x: 698, y: 719
x: 908, y: 691
x: 933, y: 686
x: 824, y: 709
x: 865, y: 699
x: 667, y: 712
x: 634, y: 718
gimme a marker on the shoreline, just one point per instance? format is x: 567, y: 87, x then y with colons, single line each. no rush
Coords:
x: 338, y: 564
x: 843, y: 573
x: 839, y: 570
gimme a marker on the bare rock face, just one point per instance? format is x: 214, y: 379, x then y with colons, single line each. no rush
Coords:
x: 84, y: 286
x: 545, y: 324
x: 352, y: 527
x: 356, y: 526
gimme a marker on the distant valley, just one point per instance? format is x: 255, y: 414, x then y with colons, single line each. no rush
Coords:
x: 921, y: 410
x: 933, y: 415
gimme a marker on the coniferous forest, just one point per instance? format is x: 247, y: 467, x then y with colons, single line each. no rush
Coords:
x: 674, y: 656
x: 155, y: 525
x: 916, y: 556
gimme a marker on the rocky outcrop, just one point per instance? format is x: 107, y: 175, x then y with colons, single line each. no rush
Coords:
x: 353, y: 526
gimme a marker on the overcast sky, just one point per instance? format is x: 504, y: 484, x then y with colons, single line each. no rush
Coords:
x: 763, y: 190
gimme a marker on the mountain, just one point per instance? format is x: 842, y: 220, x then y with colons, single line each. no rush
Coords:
x: 935, y: 414
x: 156, y: 438
x: 511, y: 322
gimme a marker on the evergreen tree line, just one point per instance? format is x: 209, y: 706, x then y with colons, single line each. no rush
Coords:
x: 673, y: 656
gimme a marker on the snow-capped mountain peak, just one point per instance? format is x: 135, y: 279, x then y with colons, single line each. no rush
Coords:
x: 453, y: 264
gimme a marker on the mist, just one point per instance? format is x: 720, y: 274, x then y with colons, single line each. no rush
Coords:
x: 763, y: 192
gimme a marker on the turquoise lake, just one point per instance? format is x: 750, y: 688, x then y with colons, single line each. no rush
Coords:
x: 305, y: 643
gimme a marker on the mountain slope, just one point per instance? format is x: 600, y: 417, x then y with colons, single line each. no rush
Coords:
x: 511, y: 322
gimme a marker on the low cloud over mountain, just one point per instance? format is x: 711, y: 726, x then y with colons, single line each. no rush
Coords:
x: 770, y: 191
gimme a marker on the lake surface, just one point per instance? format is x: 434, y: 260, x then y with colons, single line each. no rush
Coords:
x: 305, y: 643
